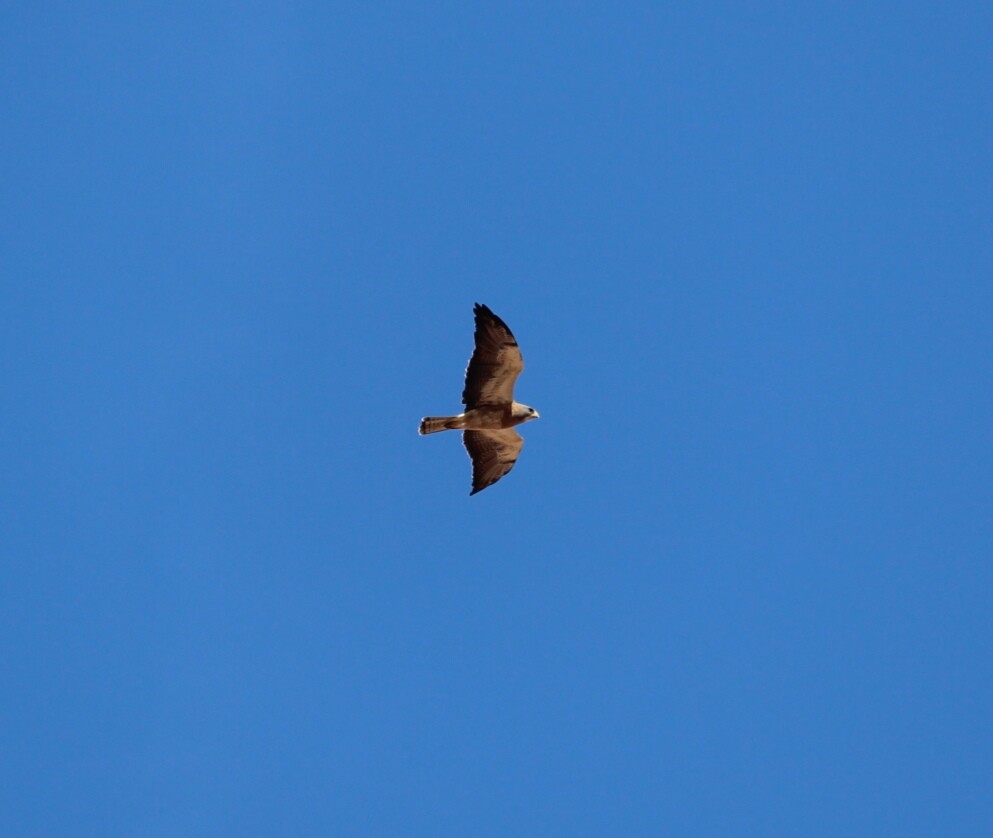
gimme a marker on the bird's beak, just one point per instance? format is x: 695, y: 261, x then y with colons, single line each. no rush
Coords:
x: 537, y: 415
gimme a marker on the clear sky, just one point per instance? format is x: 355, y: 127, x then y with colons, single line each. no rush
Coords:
x: 739, y: 582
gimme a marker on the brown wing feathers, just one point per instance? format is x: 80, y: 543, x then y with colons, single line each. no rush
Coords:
x: 495, y: 363
x: 493, y: 454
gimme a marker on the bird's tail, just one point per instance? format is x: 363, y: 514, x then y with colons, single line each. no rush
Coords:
x: 433, y: 424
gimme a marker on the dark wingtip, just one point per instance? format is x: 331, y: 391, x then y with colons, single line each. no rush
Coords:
x: 485, y: 312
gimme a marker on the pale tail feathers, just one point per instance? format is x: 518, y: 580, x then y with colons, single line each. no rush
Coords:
x: 433, y: 424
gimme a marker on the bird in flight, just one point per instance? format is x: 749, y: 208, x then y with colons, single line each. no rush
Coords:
x: 491, y: 412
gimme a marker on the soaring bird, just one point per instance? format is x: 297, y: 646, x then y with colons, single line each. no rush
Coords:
x: 491, y: 412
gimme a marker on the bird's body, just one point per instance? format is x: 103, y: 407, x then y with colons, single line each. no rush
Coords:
x: 491, y: 412
x: 486, y: 417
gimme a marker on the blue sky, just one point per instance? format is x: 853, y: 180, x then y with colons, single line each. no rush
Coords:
x: 739, y: 581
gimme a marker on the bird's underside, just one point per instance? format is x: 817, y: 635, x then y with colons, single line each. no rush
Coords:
x: 491, y: 412
x: 486, y: 417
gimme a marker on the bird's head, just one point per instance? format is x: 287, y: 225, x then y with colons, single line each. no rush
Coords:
x: 525, y: 413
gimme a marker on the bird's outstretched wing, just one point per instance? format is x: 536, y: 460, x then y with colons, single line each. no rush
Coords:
x: 495, y: 363
x: 493, y: 454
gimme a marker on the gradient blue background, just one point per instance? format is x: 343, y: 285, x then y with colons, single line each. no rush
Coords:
x: 740, y: 580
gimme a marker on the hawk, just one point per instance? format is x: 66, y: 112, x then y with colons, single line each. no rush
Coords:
x: 491, y: 412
